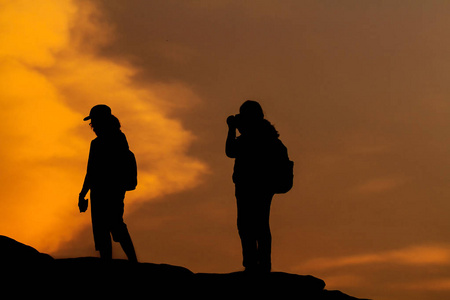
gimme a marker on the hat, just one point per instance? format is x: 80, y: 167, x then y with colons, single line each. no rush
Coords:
x: 99, y: 111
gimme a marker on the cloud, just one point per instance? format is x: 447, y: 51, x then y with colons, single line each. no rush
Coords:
x: 439, y: 284
x: 378, y: 185
x: 423, y: 255
x: 32, y: 31
x: 51, y: 74
x: 404, y: 273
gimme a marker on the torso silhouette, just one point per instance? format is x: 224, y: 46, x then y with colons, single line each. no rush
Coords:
x: 106, y: 162
x: 256, y: 159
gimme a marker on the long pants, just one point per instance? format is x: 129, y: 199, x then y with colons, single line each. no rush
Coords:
x: 253, y: 213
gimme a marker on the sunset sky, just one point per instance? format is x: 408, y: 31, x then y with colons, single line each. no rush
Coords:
x: 359, y: 91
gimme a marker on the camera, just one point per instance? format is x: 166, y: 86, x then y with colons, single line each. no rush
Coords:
x: 238, y: 120
x: 235, y: 120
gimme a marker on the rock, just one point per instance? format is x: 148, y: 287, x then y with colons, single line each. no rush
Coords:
x: 15, y: 254
x: 29, y: 273
x: 251, y: 285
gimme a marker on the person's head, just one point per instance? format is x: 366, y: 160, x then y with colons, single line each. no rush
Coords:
x: 251, y: 110
x: 250, y: 117
x: 102, y: 121
x: 250, y: 120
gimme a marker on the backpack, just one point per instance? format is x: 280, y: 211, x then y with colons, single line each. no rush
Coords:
x: 130, y: 171
x: 283, y: 170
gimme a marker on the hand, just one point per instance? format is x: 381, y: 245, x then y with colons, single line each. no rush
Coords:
x: 82, y: 204
x: 231, y: 121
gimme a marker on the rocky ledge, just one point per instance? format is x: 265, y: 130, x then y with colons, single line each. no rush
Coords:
x: 29, y: 273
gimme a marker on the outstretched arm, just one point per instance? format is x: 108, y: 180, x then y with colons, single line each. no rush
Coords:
x: 230, y: 146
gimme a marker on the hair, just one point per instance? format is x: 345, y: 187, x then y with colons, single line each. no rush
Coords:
x: 115, y: 123
x: 252, y: 109
x: 269, y: 130
x: 108, y: 125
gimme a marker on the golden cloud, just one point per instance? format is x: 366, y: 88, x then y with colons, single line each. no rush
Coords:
x: 422, y: 255
x: 49, y: 79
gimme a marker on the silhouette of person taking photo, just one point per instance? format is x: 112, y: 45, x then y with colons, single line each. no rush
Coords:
x: 107, y: 180
x: 258, y: 155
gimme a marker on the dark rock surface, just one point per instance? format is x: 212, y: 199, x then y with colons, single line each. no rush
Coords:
x: 28, y: 273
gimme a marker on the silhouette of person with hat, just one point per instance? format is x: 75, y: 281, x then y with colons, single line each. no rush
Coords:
x: 105, y: 181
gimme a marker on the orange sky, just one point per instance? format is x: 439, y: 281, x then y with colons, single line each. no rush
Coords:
x: 357, y: 89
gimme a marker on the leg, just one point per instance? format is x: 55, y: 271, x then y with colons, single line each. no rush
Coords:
x: 120, y: 232
x: 100, y: 224
x: 264, y: 250
x: 128, y: 247
x: 102, y: 236
x: 249, y: 249
x: 106, y: 250
x: 246, y: 229
x: 264, y: 236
